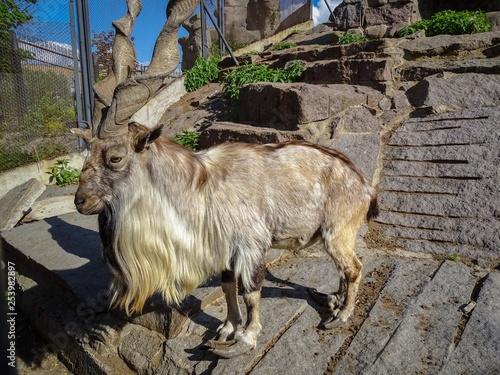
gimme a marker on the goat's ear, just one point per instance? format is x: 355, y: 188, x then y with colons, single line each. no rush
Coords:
x: 142, y: 136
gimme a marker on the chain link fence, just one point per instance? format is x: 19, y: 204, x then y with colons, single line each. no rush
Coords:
x: 37, y: 99
x: 41, y: 78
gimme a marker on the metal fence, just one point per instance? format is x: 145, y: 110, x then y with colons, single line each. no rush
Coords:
x: 46, y: 79
x: 37, y: 99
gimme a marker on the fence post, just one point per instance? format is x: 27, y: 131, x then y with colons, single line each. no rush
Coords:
x: 86, y: 61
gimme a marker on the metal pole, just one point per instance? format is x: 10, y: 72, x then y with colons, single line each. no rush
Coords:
x: 219, y: 32
x: 330, y: 9
x: 204, y: 46
x: 86, y: 62
x: 220, y: 21
x: 76, y: 70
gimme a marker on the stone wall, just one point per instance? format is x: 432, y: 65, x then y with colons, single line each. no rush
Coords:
x: 383, y: 18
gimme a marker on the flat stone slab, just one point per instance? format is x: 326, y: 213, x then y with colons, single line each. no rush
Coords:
x: 17, y: 202
x: 66, y: 249
x: 387, y: 314
x: 439, y: 190
x: 479, y: 345
x: 50, y: 207
x: 422, y: 340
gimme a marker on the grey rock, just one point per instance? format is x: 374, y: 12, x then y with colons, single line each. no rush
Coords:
x: 17, y: 202
x: 389, y: 13
x: 387, y: 314
x: 353, y: 71
x: 477, y: 350
x: 439, y: 173
x: 286, y: 106
x: 419, y: 70
x: 376, y: 31
x: 447, y: 44
x: 362, y: 149
x: 422, y: 340
x: 494, y: 20
x: 141, y: 349
x: 456, y: 91
x: 233, y: 132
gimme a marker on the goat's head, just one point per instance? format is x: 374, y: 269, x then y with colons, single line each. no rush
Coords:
x: 109, y: 163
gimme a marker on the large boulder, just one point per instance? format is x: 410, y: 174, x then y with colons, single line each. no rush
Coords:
x: 287, y: 106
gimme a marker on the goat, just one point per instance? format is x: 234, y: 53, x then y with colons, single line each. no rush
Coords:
x: 170, y: 218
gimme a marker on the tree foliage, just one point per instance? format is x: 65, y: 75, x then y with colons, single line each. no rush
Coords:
x: 103, y: 52
x: 13, y: 13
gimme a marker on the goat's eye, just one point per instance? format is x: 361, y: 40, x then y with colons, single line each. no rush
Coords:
x: 115, y: 159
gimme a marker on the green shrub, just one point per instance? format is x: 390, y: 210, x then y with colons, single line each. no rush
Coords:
x: 248, y: 73
x: 49, y: 116
x: 349, y: 38
x: 63, y: 174
x: 285, y: 45
x: 189, y: 139
x: 450, y: 22
x: 203, y: 72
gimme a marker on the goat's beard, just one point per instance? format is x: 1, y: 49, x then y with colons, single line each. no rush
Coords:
x: 150, y: 247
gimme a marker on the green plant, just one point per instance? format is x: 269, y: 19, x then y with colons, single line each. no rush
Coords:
x: 63, y: 174
x: 450, y: 22
x: 454, y: 257
x: 349, y: 38
x: 285, y: 45
x: 203, y: 72
x: 189, y: 139
x: 294, y: 32
x: 413, y: 28
x: 249, y: 73
x: 249, y: 53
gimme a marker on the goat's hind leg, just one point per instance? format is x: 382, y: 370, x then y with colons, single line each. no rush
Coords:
x: 341, y: 304
x: 245, y: 338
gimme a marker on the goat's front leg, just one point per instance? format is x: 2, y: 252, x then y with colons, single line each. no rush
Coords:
x: 245, y: 338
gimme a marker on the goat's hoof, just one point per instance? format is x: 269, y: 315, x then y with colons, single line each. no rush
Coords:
x: 330, y: 322
x: 229, y: 349
x: 329, y: 300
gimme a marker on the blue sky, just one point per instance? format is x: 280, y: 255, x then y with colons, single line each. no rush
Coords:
x: 53, y: 14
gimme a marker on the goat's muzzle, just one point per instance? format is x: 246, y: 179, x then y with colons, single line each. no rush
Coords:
x: 87, y: 202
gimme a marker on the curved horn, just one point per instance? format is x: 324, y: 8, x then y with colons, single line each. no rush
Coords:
x: 124, y: 58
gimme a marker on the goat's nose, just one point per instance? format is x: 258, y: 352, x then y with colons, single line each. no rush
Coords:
x: 79, y: 200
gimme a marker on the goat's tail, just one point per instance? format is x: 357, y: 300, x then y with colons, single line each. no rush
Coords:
x: 373, y: 209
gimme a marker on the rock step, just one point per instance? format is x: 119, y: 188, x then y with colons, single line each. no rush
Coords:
x: 387, y: 314
x: 417, y: 71
x: 288, y: 318
x: 221, y: 132
x: 422, y: 340
x: 477, y: 350
x: 439, y: 182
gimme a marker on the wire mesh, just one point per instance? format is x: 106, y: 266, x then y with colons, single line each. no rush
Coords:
x: 39, y: 94
x: 37, y: 100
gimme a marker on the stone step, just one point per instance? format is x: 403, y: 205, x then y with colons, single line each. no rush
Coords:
x: 372, y: 72
x: 287, y: 106
x: 422, y: 340
x: 371, y: 49
x: 439, y: 185
x: 386, y: 314
x: 417, y: 71
x: 221, y: 132
x: 305, y: 348
x: 477, y: 348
